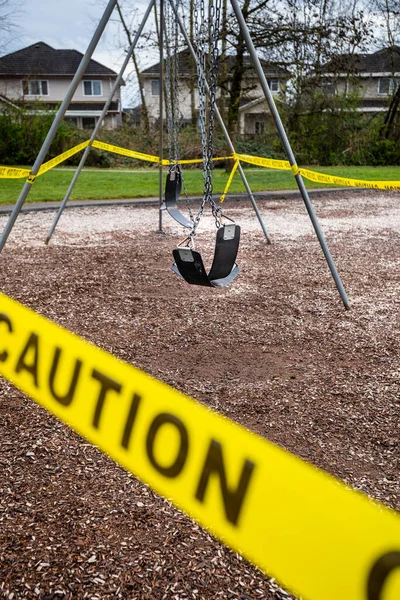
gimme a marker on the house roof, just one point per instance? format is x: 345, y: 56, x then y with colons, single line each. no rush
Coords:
x: 386, y: 60
x: 185, y: 62
x: 40, y: 59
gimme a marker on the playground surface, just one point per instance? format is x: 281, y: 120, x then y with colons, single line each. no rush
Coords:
x: 275, y: 351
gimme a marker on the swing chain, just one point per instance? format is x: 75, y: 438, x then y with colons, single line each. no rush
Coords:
x: 172, y: 75
x: 207, y: 136
x: 215, y: 14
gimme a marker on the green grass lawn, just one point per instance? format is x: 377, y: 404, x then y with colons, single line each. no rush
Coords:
x: 114, y: 184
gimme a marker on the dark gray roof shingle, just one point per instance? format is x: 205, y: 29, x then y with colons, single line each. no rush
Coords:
x: 40, y: 59
x: 382, y: 61
x: 185, y: 62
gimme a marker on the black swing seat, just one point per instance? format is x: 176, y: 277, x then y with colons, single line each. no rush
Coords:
x: 189, y: 264
x: 173, y: 188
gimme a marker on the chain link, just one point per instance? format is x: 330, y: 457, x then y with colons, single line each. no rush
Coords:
x: 206, y: 34
x: 215, y: 15
x: 170, y: 85
x: 172, y: 78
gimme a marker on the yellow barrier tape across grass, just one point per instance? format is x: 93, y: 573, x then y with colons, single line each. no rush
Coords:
x: 126, y: 152
x: 228, y: 183
x: 193, y: 161
x: 320, y: 539
x: 19, y: 173
x: 13, y: 173
x: 259, y: 161
x: 269, y: 163
x: 284, y: 165
x: 62, y: 157
x: 347, y: 182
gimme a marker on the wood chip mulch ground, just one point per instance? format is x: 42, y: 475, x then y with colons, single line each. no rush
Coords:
x: 276, y: 352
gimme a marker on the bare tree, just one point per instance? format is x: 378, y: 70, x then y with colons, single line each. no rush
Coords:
x: 144, y: 115
x: 388, y: 13
x: 9, y: 12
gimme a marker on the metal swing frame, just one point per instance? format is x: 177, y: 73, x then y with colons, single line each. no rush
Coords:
x: 268, y: 96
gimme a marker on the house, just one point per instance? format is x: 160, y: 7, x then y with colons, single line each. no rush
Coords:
x: 254, y: 112
x: 39, y: 76
x: 372, y: 77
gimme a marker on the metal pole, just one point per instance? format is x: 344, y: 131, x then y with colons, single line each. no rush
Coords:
x: 56, y: 123
x: 99, y: 122
x: 161, y: 42
x: 288, y: 149
x: 222, y: 124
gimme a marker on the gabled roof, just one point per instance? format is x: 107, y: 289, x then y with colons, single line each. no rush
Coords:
x: 185, y: 62
x: 386, y: 60
x: 40, y: 59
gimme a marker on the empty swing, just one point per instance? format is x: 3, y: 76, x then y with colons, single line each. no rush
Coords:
x: 188, y: 261
x: 173, y: 184
x: 173, y: 187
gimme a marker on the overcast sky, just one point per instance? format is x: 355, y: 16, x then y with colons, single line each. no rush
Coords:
x: 71, y: 24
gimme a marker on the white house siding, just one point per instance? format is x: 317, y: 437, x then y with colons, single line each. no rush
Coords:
x: 246, y: 125
x: 257, y: 111
x: 57, y: 89
x: 153, y: 101
x: 11, y: 88
x: 366, y: 86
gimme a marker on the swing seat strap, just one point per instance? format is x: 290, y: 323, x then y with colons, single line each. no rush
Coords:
x: 189, y: 264
x: 173, y: 186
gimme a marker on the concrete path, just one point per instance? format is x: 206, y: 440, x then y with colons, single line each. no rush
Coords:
x: 278, y: 195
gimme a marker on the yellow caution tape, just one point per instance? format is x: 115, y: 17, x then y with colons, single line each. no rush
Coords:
x: 320, y: 539
x: 13, y: 173
x: 193, y: 161
x: 269, y: 163
x: 19, y: 173
x: 228, y: 183
x: 61, y: 158
x: 126, y: 152
x: 318, y: 177
x: 347, y: 182
x: 295, y: 169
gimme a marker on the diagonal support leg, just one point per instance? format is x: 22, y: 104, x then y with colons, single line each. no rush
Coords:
x: 99, y: 122
x: 288, y: 150
x: 57, y: 122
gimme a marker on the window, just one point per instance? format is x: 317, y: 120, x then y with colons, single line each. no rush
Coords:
x: 33, y: 87
x: 273, y: 85
x: 259, y: 127
x: 328, y: 87
x: 88, y: 122
x: 385, y: 85
x: 155, y: 87
x: 92, y: 88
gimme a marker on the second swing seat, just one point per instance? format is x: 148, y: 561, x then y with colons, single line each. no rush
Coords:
x: 173, y: 186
